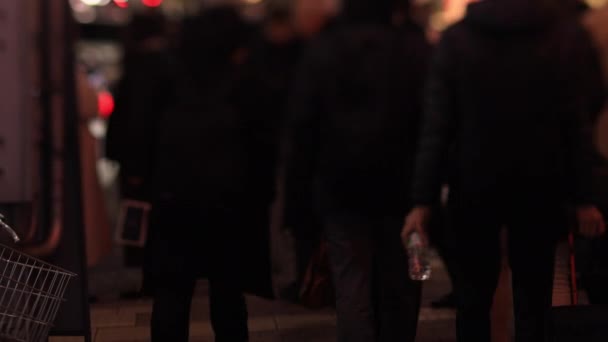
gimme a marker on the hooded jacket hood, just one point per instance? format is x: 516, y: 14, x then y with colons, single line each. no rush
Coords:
x: 511, y: 16
x: 367, y: 11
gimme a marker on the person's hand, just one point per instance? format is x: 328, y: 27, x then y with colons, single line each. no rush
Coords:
x: 416, y: 221
x: 590, y: 221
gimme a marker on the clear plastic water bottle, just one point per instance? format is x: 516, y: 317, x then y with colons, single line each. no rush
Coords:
x: 418, y: 258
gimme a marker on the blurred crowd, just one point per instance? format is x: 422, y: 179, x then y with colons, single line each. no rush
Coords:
x: 351, y: 117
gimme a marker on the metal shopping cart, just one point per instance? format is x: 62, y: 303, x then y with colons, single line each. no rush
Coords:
x: 31, y: 292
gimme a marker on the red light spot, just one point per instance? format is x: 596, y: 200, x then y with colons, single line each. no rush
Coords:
x: 122, y: 3
x: 105, y: 103
x: 152, y: 3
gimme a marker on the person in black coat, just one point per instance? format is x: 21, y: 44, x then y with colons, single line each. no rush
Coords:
x: 505, y: 111
x: 209, y: 219
x: 144, y: 73
x: 351, y: 143
x: 146, y: 52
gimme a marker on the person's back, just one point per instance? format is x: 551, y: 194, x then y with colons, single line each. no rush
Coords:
x: 352, y: 137
x: 368, y: 78
x: 507, y: 110
x: 373, y: 111
x: 200, y: 152
x: 512, y: 68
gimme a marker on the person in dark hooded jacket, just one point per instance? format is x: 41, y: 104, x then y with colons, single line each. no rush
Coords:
x: 209, y: 219
x: 506, y: 112
x: 351, y: 140
x: 129, y: 127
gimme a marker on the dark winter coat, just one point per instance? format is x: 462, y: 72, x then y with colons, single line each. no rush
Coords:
x: 205, y: 191
x: 210, y: 217
x: 505, y: 108
x: 140, y: 96
x: 354, y: 117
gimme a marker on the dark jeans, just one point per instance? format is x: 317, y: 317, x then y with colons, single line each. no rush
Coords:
x: 475, y: 248
x: 171, y: 311
x: 375, y: 299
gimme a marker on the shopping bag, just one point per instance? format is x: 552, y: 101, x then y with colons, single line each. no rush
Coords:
x: 133, y: 221
x: 574, y: 322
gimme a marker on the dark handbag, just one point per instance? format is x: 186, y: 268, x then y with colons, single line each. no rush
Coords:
x: 578, y: 323
x: 317, y: 289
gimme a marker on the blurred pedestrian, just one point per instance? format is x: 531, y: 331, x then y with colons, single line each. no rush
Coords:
x: 351, y: 141
x: 506, y: 112
x: 595, y: 270
x: 207, y: 217
x: 145, y: 72
x: 95, y: 215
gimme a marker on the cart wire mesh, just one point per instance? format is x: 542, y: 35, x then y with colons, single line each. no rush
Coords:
x: 31, y: 292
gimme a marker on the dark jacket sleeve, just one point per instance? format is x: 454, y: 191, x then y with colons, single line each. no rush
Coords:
x: 585, y: 90
x: 301, y: 140
x: 437, y: 128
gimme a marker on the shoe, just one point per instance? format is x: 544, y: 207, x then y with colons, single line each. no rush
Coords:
x: 446, y: 302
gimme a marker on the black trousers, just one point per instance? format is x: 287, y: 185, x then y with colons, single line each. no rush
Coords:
x: 195, y: 241
x: 375, y: 299
x: 475, y: 248
x: 172, y: 306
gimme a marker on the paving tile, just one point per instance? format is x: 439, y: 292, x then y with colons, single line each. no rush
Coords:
x: 66, y: 339
x: 269, y: 336
x: 261, y: 307
x: 135, y: 307
x: 269, y: 321
x: 253, y: 337
x: 123, y: 334
x: 200, y: 309
x: 285, y: 308
x: 318, y: 334
x: 104, y: 318
x: 432, y: 315
x: 201, y: 330
x: 262, y: 324
x: 143, y: 319
x: 310, y: 321
x: 437, y: 331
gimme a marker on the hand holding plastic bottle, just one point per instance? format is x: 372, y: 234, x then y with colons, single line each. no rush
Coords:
x: 415, y: 243
x: 416, y: 221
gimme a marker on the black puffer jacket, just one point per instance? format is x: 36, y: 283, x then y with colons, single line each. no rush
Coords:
x: 354, y: 116
x: 505, y: 107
